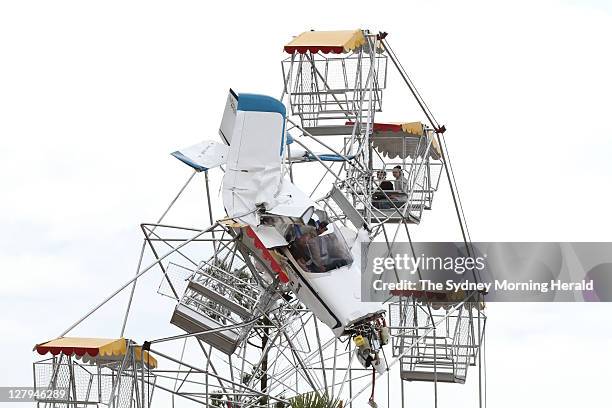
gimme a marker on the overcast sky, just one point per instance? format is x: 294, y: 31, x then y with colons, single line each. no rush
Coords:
x: 94, y: 97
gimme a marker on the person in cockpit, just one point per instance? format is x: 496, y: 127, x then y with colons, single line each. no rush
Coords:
x: 317, y: 248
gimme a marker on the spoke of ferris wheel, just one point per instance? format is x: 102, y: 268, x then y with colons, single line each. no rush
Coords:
x: 321, y: 180
x: 126, y: 284
x: 271, y: 378
x: 359, y: 377
x: 335, y: 364
x: 340, y: 354
x: 329, y: 209
x: 389, y: 247
x: 210, y: 214
x: 147, y: 233
x: 209, y: 362
x: 286, y: 387
x: 209, y: 331
x: 205, y: 394
x: 211, y: 265
x: 304, y: 132
x: 321, y: 354
x: 211, y: 261
x: 171, y: 391
x: 139, y: 263
x: 297, y: 357
x: 222, y: 243
x: 326, y: 167
x: 203, y: 371
x: 180, y: 366
x: 264, y: 357
x: 281, y: 382
x: 255, y: 367
x: 295, y: 335
x: 439, y: 134
x: 348, y: 371
x: 232, y: 377
x: 282, y: 351
x: 316, y: 139
x: 342, y: 166
x: 287, y: 78
x: 292, y: 370
x: 289, y: 370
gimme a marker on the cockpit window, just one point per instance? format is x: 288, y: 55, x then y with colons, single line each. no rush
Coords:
x: 318, y: 247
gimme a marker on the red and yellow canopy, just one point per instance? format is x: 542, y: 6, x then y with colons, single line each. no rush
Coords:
x: 89, y: 348
x: 336, y: 42
x: 401, y: 139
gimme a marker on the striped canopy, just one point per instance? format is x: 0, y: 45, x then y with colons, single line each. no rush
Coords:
x: 336, y: 42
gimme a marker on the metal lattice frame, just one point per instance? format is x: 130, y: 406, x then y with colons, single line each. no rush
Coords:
x: 256, y: 345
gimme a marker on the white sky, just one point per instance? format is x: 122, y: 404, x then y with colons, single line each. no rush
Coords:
x: 94, y: 97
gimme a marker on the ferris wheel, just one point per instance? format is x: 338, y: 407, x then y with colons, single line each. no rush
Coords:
x: 267, y: 304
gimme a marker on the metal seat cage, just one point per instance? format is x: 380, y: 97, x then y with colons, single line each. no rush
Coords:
x: 422, y: 174
x: 423, y: 179
x: 222, y: 292
x: 121, y: 383
x: 324, y: 88
x: 443, y: 354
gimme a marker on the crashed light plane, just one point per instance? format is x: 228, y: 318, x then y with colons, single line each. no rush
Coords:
x: 280, y: 226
